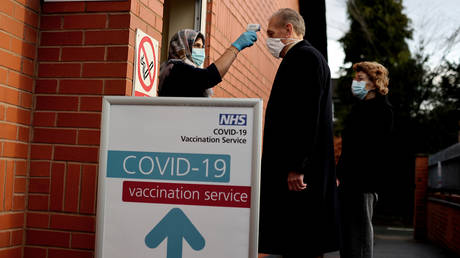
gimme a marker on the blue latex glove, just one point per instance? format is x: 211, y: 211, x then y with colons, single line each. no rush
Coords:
x: 245, y: 40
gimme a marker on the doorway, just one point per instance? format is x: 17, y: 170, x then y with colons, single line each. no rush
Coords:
x: 181, y: 14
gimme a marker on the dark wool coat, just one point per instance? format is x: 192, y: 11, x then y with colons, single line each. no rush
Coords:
x: 362, y: 164
x: 298, y: 137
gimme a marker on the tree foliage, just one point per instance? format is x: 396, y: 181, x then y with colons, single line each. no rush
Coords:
x: 422, y: 97
x: 438, y: 115
x: 378, y: 31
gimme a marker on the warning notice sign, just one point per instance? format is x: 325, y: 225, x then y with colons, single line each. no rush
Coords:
x: 145, y: 65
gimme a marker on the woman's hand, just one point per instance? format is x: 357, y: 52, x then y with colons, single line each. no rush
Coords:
x: 245, y: 40
x: 224, y: 62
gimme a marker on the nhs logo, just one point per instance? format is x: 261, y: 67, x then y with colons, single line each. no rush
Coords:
x: 232, y: 119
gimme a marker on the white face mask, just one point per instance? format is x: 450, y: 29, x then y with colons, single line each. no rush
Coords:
x: 275, y: 45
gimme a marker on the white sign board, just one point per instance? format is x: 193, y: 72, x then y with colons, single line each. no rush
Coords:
x: 145, y: 65
x: 179, y: 177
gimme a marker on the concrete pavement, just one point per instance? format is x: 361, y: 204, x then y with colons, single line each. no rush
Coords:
x: 396, y: 242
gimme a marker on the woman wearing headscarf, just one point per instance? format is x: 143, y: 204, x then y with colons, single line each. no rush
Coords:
x: 364, y: 151
x: 182, y: 75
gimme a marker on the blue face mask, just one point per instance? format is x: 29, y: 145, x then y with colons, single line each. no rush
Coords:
x: 198, y: 55
x: 358, y: 88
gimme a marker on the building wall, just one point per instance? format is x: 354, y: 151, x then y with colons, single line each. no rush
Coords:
x: 436, y: 215
x: 85, y: 51
x: 253, y: 71
x: 18, y: 37
x: 57, y: 60
x: 443, y: 225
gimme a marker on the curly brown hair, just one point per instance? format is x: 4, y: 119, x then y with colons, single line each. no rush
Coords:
x: 377, y: 73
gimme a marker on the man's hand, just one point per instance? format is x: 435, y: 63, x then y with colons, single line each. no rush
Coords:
x: 295, y: 181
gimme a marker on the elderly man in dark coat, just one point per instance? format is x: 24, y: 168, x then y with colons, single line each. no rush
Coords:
x: 298, y: 215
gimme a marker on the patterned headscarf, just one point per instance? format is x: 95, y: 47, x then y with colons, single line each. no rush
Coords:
x: 180, y: 46
x: 180, y: 49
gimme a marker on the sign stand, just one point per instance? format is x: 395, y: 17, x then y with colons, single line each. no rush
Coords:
x: 179, y: 177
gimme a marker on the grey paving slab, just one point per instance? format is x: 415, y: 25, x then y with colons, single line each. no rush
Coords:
x: 397, y: 242
x: 393, y: 242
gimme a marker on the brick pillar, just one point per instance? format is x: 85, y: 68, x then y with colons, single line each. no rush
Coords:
x: 18, y: 37
x: 420, y: 197
x: 85, y: 51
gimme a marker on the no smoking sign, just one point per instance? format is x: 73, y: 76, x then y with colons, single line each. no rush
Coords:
x: 146, y: 65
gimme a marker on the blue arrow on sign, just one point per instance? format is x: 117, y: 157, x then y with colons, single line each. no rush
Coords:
x: 175, y: 226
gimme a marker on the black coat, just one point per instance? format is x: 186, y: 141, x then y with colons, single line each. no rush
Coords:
x: 298, y: 137
x: 365, y: 138
x: 184, y: 80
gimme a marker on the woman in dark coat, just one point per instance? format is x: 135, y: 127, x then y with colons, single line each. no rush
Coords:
x: 182, y: 75
x: 364, y: 148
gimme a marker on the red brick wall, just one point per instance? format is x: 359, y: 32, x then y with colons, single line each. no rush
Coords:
x: 253, y: 71
x: 85, y: 51
x: 18, y: 36
x: 437, y: 221
x: 443, y: 225
x: 147, y: 15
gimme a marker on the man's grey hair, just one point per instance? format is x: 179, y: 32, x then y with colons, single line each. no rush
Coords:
x: 288, y: 15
